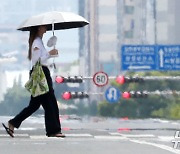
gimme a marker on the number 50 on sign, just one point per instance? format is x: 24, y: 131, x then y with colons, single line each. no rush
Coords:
x: 100, y: 79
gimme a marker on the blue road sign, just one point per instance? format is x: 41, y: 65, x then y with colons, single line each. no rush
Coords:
x: 168, y: 57
x: 112, y: 95
x: 138, y: 57
x: 150, y: 57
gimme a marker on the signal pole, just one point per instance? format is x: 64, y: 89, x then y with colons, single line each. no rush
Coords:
x: 155, y: 22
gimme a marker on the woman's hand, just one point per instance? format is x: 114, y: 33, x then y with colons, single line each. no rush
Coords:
x: 53, y: 52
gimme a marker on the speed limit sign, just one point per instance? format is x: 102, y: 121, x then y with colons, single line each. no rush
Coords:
x: 100, y: 79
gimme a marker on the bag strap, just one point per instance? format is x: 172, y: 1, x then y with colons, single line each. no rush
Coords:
x: 38, y: 62
x: 31, y: 64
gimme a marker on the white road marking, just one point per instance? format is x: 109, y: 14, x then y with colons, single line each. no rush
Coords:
x: 111, y: 137
x: 23, y: 128
x: 165, y: 138
x: 134, y: 136
x: 15, y: 135
x: 27, y: 128
x: 78, y: 135
x: 164, y: 147
x: 67, y: 135
x: 21, y: 135
x: 42, y: 137
x: 175, y: 123
x: 4, y: 135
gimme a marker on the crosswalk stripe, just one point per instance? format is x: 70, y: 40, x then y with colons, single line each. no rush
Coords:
x: 165, y: 138
x: 133, y: 136
x: 15, y: 135
x: 39, y: 137
x: 79, y: 135
x: 110, y: 137
x: 67, y: 135
x: 4, y: 135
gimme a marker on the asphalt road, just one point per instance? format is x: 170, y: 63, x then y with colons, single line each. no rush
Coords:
x: 93, y: 136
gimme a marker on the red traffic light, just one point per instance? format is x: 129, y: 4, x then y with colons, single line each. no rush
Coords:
x: 59, y: 79
x: 135, y: 94
x: 66, y: 95
x: 126, y: 95
x: 74, y: 95
x: 70, y: 79
x: 120, y: 79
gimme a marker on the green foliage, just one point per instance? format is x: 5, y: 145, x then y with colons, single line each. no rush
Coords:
x: 174, y: 111
x: 105, y: 109
x: 171, y: 111
x: 15, y: 99
x: 126, y: 109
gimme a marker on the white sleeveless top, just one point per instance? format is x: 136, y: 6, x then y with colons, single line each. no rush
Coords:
x: 40, y: 53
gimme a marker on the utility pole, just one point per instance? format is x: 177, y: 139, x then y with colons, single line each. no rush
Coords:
x: 155, y: 22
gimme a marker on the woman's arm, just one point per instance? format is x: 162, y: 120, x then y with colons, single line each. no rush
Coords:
x: 37, y: 54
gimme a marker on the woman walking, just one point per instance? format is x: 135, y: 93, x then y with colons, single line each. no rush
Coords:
x: 48, y: 101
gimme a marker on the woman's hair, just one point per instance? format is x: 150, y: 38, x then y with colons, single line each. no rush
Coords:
x: 32, y: 36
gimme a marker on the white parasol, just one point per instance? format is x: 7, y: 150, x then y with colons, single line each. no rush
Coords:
x: 61, y: 20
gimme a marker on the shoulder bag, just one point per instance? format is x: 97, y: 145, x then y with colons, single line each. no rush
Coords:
x: 37, y: 84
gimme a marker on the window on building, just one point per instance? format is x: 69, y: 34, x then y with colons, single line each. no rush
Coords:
x: 128, y: 34
x: 129, y: 9
x: 132, y: 24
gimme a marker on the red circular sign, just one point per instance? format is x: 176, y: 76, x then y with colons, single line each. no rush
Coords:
x: 100, y: 79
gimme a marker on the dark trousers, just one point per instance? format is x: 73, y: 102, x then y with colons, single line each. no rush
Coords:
x: 48, y: 102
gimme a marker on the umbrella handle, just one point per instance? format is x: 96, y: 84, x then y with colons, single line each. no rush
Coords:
x: 53, y: 30
x: 53, y: 27
x: 54, y: 45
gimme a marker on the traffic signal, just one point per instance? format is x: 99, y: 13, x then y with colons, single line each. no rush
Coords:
x: 126, y: 95
x: 76, y: 79
x: 74, y: 95
x: 136, y: 79
x: 126, y: 79
x: 134, y: 94
x: 59, y: 79
x: 120, y: 79
x: 70, y: 79
x: 66, y: 95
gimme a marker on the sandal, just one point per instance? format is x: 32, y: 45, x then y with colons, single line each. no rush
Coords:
x: 57, y: 135
x: 9, y: 131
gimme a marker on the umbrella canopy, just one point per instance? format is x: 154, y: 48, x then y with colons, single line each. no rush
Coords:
x: 61, y: 20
